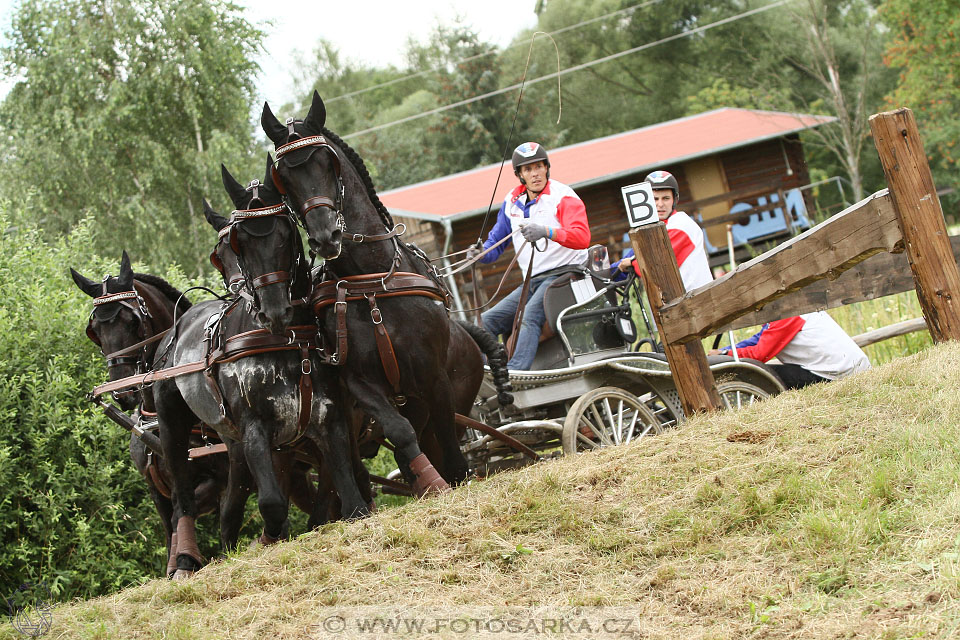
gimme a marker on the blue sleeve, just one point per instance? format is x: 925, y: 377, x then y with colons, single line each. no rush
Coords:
x: 500, y: 230
x: 615, y: 273
x: 749, y: 342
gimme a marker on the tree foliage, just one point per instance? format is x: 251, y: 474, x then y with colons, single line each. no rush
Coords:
x: 925, y: 49
x: 123, y: 111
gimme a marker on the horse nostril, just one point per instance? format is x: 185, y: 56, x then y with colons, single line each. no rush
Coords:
x: 336, y: 237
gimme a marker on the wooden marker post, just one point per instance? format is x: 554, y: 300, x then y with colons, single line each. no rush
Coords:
x: 661, y: 279
x: 921, y: 221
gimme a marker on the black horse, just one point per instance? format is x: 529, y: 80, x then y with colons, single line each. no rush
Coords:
x: 129, y: 309
x: 227, y: 262
x: 402, y: 382
x: 264, y: 389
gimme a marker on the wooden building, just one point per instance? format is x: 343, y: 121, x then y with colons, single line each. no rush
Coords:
x: 742, y: 160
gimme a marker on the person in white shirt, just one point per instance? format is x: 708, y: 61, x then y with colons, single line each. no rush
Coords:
x: 686, y: 236
x: 812, y: 348
x: 549, y: 215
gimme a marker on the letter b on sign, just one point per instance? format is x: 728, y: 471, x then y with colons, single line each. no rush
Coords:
x: 638, y: 199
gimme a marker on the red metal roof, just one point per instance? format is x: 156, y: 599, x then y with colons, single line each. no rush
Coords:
x: 468, y: 193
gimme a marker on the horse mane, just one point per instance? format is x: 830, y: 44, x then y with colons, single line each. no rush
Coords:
x: 167, y: 289
x: 361, y: 168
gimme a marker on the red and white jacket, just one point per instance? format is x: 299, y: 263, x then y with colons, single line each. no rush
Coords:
x: 557, y: 207
x: 814, y: 341
x: 686, y: 239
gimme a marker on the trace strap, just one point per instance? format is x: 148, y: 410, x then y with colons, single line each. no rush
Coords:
x: 249, y: 343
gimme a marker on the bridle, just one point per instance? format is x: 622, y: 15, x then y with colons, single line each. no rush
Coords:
x: 229, y: 232
x: 135, y: 303
x: 294, y: 142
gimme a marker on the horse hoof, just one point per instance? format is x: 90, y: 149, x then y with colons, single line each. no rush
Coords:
x: 435, y: 487
x: 264, y: 541
x: 428, y: 480
x: 183, y: 574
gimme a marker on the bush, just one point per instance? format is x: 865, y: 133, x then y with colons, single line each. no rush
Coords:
x: 74, y: 512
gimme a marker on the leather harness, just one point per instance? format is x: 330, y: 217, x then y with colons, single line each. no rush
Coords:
x: 368, y: 287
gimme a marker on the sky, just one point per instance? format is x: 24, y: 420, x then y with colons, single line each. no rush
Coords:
x: 369, y: 31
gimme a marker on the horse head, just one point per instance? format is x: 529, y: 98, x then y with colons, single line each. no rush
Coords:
x: 309, y: 171
x: 259, y: 248
x: 120, y: 319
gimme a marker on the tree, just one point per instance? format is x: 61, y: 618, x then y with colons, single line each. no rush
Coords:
x: 821, y: 57
x: 124, y: 111
x: 925, y: 49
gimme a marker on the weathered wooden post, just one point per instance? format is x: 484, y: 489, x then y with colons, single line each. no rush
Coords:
x: 921, y: 221
x: 661, y: 279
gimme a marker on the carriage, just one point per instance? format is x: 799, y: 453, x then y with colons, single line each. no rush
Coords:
x: 596, y: 381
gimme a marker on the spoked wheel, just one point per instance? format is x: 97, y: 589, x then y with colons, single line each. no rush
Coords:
x: 736, y: 395
x: 607, y: 417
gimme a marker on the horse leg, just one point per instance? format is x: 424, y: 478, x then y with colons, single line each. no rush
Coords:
x: 273, y: 504
x: 441, y: 423
x: 300, y: 487
x: 138, y: 453
x: 165, y: 511
x: 176, y: 422
x: 335, y: 447
x: 234, y: 498
x: 412, y: 462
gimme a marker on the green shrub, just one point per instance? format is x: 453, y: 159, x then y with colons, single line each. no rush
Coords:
x: 74, y: 512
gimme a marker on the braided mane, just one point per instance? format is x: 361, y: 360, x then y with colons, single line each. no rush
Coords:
x: 361, y: 168
x: 167, y: 289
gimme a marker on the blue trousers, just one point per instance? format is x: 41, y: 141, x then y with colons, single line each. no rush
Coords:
x: 499, y: 320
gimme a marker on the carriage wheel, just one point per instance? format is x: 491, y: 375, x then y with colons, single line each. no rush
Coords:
x: 736, y: 395
x: 607, y: 417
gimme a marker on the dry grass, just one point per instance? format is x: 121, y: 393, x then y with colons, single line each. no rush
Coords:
x: 826, y: 513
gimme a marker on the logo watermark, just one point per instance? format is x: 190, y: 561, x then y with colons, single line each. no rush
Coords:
x: 368, y: 622
x: 31, y: 609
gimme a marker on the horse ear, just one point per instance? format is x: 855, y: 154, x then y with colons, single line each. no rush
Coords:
x: 126, y: 271
x: 268, y: 176
x: 216, y: 220
x: 317, y: 115
x: 271, y: 126
x: 236, y: 191
x: 86, y: 285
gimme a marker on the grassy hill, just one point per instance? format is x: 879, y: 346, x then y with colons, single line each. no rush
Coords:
x: 828, y: 513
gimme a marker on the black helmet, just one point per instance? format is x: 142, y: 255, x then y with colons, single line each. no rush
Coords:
x: 528, y: 153
x: 664, y: 180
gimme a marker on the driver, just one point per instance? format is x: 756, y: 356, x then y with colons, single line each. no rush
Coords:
x: 550, y: 215
x: 686, y: 236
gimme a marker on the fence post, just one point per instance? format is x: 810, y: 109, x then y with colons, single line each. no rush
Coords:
x: 661, y: 279
x: 918, y: 211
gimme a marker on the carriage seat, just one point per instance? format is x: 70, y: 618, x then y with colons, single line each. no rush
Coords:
x: 567, y: 290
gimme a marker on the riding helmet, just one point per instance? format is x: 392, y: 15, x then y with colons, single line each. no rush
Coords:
x: 664, y: 180
x: 528, y: 153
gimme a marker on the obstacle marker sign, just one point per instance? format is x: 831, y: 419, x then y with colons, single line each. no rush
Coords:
x: 638, y: 199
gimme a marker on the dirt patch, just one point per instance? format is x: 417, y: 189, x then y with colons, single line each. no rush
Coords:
x: 753, y: 437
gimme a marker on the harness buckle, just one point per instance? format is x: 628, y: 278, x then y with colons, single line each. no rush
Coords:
x: 400, y: 400
x: 376, y: 315
x: 358, y: 238
x: 306, y: 367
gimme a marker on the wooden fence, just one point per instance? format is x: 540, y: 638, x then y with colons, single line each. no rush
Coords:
x: 857, y: 250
